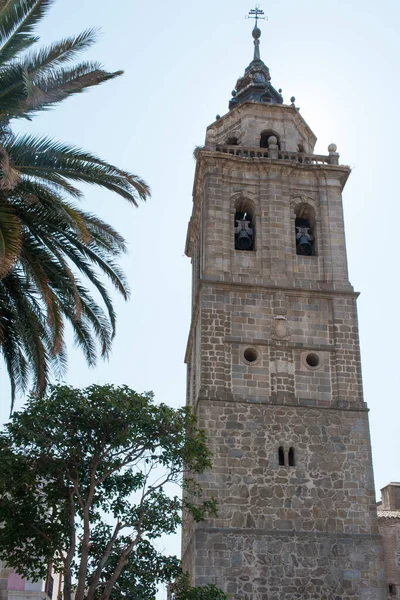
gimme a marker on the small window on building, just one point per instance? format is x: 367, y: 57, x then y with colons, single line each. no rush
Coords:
x: 392, y: 589
x: 232, y: 141
x: 291, y: 457
x: 265, y: 135
x: 281, y: 456
x: 305, y: 230
x: 244, y: 227
x: 250, y: 355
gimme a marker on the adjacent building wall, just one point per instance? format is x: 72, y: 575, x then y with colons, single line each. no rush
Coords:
x: 389, y: 528
x: 15, y: 587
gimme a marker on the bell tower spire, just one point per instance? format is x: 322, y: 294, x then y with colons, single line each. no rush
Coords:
x: 255, y: 84
x: 256, y: 35
x: 256, y: 13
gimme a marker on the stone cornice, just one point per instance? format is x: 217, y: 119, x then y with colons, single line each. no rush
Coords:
x: 271, y: 402
x: 202, y: 527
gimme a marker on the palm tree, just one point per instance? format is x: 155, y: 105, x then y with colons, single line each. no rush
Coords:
x: 44, y: 237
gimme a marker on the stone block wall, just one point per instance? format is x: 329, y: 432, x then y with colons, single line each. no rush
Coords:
x: 329, y: 488
x: 274, y: 375
x: 389, y: 528
x: 258, y: 565
x: 283, y: 328
x: 247, y: 122
x: 308, y: 529
x: 274, y: 192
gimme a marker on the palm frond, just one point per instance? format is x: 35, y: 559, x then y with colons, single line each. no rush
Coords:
x: 107, y: 266
x: 18, y: 18
x: 51, y: 200
x: 93, y: 314
x: 103, y: 234
x: 58, y: 53
x: 27, y: 340
x: 46, y: 241
x: 54, y: 86
x: 44, y: 158
x: 12, y: 91
x: 83, y: 336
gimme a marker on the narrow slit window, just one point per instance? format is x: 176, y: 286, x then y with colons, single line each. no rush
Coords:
x: 392, y: 589
x: 291, y: 457
x: 281, y: 456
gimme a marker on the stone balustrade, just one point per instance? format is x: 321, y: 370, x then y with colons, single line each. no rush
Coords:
x: 276, y: 154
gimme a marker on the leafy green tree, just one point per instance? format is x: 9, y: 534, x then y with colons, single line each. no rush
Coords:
x: 182, y: 590
x: 43, y: 234
x: 87, y: 480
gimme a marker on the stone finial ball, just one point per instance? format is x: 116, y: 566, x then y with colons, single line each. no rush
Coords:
x: 272, y: 140
x: 332, y: 148
x: 256, y: 33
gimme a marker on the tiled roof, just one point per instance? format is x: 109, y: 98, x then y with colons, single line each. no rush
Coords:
x: 388, y: 514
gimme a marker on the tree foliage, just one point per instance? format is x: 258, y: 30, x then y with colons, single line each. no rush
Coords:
x: 184, y: 591
x: 45, y: 238
x: 88, y: 479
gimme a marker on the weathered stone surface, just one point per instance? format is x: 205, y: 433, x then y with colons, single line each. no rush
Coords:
x: 389, y: 528
x: 292, y: 468
x: 258, y: 565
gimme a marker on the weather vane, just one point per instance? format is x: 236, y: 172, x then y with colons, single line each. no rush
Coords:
x: 256, y: 13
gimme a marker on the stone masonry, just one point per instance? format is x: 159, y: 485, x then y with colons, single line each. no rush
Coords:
x: 389, y: 528
x: 274, y: 371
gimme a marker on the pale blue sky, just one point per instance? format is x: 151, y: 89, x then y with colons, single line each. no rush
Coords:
x: 181, y: 60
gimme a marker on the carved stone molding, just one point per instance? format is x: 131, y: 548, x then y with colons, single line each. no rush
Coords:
x: 296, y: 200
x: 243, y: 197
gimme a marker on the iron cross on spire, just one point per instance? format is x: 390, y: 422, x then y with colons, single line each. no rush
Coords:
x: 256, y: 13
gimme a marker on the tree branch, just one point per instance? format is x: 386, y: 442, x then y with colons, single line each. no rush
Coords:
x: 72, y: 545
x: 102, y: 562
x: 85, y: 545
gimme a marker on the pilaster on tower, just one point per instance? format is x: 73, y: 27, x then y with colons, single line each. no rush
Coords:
x: 274, y: 371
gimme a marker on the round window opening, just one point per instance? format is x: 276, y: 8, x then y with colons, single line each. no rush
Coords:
x: 312, y: 360
x: 250, y: 355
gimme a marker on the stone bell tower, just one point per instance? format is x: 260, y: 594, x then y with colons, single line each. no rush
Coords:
x: 273, y: 361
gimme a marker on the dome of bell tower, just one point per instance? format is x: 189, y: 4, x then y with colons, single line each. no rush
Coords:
x: 256, y: 81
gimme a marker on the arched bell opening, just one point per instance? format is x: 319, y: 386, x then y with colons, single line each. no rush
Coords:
x: 305, y: 230
x: 232, y: 141
x: 264, y: 138
x: 244, y: 226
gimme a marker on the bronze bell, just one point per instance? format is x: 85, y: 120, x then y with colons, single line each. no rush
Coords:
x: 304, y: 247
x: 243, y: 235
x: 304, y: 242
